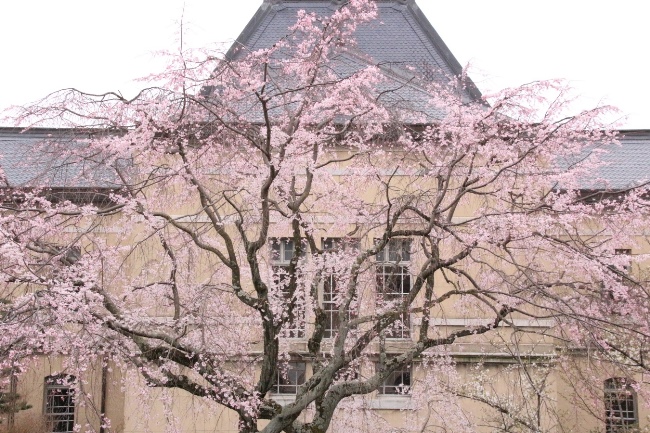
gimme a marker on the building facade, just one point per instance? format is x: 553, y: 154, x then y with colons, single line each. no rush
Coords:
x: 443, y: 286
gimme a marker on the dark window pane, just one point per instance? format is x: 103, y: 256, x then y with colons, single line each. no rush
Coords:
x: 288, y: 250
x: 289, y: 383
x: 397, y: 383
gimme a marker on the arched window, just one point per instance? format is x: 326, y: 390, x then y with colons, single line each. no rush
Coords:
x: 620, y: 406
x: 59, y: 403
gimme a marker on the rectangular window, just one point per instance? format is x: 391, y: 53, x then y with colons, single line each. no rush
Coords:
x: 397, y: 383
x: 394, y: 280
x: 349, y: 373
x: 615, y: 304
x: 59, y: 404
x: 330, y: 305
x: 288, y: 381
x: 620, y: 406
x: 624, y: 252
x: 282, y: 251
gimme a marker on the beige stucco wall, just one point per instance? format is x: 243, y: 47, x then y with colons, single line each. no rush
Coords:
x: 134, y: 408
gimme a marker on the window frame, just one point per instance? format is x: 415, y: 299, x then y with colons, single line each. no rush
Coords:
x: 279, y: 261
x: 613, y: 305
x: 393, y: 260
x: 281, y: 243
x: 620, y: 392
x: 385, y: 389
x: 277, y: 388
x: 328, y: 288
x: 55, y: 386
x: 624, y: 252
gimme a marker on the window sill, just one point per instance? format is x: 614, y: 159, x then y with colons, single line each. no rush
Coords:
x: 386, y: 401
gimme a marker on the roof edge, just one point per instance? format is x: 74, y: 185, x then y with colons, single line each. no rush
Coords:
x: 54, y: 131
x: 245, y: 35
x: 635, y: 131
x: 443, y: 49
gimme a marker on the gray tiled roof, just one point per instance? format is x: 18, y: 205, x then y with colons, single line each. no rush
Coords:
x: 401, y: 37
x: 627, y: 164
x: 408, y: 101
x: 28, y: 161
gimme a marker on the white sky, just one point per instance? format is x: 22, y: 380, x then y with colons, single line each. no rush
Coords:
x: 600, y: 46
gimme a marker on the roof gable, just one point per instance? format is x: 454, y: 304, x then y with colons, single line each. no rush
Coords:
x: 399, y: 39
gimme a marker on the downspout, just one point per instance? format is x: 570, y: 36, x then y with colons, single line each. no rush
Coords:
x: 13, y: 390
x: 102, y: 408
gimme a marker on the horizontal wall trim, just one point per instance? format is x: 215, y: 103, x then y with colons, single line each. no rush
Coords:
x: 523, y: 323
